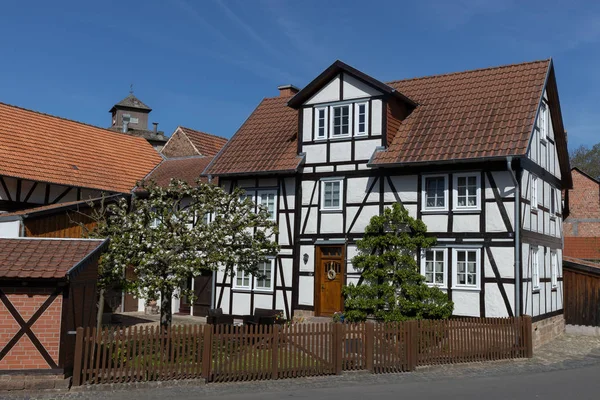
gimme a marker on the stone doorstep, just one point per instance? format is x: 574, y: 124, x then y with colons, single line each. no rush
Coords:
x: 35, y: 382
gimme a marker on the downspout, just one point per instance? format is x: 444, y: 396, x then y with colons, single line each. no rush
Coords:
x: 517, y: 225
x: 213, y: 281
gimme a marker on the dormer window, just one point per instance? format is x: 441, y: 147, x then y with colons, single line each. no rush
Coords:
x: 321, y: 123
x: 340, y: 123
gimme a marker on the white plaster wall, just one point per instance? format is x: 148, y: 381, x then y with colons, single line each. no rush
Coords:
x: 306, y: 290
x: 261, y: 300
x: 241, y: 304
x: 494, y: 304
x: 311, y: 224
x: 364, y: 218
x: 307, y: 190
x: 330, y: 92
x: 376, y: 114
x: 288, y: 268
x: 225, y: 299
x: 466, y: 303
x: 355, y: 89
x: 356, y: 189
x: 493, y: 218
x: 504, y: 257
x: 10, y: 229
x: 406, y: 185
x: 315, y: 153
x: 465, y: 223
x: 436, y: 222
x: 331, y: 222
x: 324, y: 168
x: 307, y: 124
x: 504, y: 183
x: 412, y: 210
x: 310, y: 265
x: 340, y: 151
x: 363, y: 149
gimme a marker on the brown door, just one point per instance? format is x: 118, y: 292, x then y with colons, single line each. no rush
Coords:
x: 130, y: 302
x: 202, y: 293
x: 329, y: 279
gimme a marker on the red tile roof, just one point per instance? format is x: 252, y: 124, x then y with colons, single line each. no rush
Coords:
x: 265, y: 142
x: 465, y: 115
x: 71, y: 205
x: 473, y: 114
x: 206, y: 143
x: 46, y: 148
x: 185, y: 168
x: 43, y: 258
x: 579, y: 261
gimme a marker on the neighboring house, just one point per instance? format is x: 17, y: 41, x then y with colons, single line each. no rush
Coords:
x: 47, y: 290
x: 582, y: 293
x: 130, y: 116
x: 48, y: 160
x: 189, y: 142
x: 464, y: 152
x: 582, y: 222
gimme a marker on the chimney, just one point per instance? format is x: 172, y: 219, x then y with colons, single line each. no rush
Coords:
x: 125, y: 126
x: 287, y: 90
x: 155, y: 126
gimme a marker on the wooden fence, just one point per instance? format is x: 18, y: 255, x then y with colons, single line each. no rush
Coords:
x: 234, y: 353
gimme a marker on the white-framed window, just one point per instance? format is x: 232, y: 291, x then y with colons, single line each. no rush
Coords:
x: 434, y: 266
x: 321, y: 122
x: 361, y: 118
x: 467, y: 190
x: 535, y: 268
x: 264, y: 279
x: 543, y: 121
x: 331, y: 194
x: 554, y: 268
x: 268, y: 199
x: 341, y: 117
x: 551, y: 158
x: 435, y: 193
x: 467, y: 270
x: 242, y: 280
x: 534, y: 192
x: 543, y: 154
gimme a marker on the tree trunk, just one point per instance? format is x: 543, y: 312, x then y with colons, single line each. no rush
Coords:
x: 166, y: 318
x: 100, y: 310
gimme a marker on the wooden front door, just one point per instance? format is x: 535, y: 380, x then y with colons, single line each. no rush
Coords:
x: 329, y: 278
x: 130, y: 302
x: 202, y: 294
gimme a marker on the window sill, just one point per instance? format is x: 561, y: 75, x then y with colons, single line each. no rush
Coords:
x: 536, y: 291
x: 240, y: 289
x: 334, y: 138
x: 263, y: 291
x: 534, y: 210
x: 441, y: 286
x: 434, y: 211
x: 466, y: 288
x: 466, y: 210
x: 331, y: 211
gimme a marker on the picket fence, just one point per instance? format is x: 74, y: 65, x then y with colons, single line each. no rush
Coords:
x: 224, y: 353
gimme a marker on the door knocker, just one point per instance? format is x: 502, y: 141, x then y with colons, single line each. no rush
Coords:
x: 331, y: 273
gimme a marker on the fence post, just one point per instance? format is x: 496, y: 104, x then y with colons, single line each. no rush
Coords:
x: 528, y: 335
x: 369, y: 346
x: 412, y: 344
x: 78, y: 357
x: 207, y: 352
x: 338, y: 338
x: 275, y: 352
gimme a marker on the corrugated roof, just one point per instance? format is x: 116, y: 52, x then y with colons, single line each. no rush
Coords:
x: 43, y: 258
x: 46, y: 148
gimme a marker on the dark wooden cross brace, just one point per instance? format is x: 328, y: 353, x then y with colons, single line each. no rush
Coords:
x: 26, y: 326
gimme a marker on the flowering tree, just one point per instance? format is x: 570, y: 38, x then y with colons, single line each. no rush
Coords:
x: 392, y: 287
x: 169, y: 235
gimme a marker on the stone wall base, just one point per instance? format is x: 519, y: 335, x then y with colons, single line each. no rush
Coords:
x: 12, y: 382
x: 583, y: 330
x: 548, y: 329
x: 304, y: 313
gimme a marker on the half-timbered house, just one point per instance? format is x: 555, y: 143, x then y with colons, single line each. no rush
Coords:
x: 480, y: 156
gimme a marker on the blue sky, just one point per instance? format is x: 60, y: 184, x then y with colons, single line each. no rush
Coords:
x: 207, y: 64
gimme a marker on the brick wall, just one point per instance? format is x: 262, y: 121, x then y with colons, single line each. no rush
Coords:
x: 179, y: 146
x: 548, y: 329
x: 27, y: 301
x: 581, y: 228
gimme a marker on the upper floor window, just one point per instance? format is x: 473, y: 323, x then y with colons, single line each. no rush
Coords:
x: 267, y: 199
x: 331, y: 194
x: 554, y: 268
x: 264, y: 279
x: 242, y: 280
x: 467, y: 268
x: 466, y: 193
x: 321, y: 123
x: 434, y: 266
x: 543, y: 122
x: 534, y: 192
x: 340, y: 123
x: 535, y: 268
x: 435, y: 196
x: 361, y: 118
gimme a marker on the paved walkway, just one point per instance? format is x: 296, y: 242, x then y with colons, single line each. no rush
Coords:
x: 560, y: 361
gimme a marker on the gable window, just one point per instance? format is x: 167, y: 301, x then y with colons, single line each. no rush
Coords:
x: 543, y: 122
x: 466, y: 192
x: 340, y: 123
x: 467, y: 269
x: 554, y: 268
x: 264, y: 279
x: 435, y: 194
x: 331, y: 194
x: 267, y: 199
x: 434, y: 266
x: 242, y: 280
x: 321, y: 123
x: 361, y: 119
x: 535, y: 268
x: 534, y: 192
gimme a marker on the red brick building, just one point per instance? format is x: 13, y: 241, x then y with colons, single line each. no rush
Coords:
x: 582, y: 223
x: 47, y: 290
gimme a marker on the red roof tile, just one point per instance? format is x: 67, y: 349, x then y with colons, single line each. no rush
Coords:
x: 43, y: 258
x: 75, y: 205
x: 46, y: 148
x: 206, y: 143
x: 465, y: 115
x: 185, y: 168
x: 265, y: 142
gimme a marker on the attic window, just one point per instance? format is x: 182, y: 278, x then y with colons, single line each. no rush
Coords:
x: 341, y: 121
